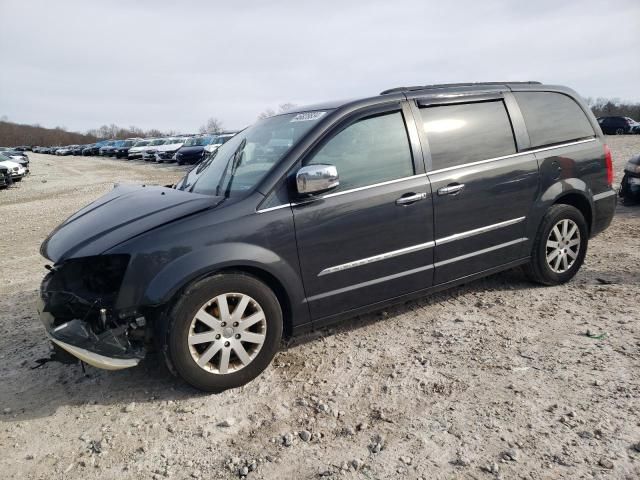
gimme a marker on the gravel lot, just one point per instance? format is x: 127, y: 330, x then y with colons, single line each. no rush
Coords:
x: 499, y: 378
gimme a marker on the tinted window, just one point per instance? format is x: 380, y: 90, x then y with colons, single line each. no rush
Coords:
x: 467, y: 132
x: 370, y: 151
x: 552, y: 118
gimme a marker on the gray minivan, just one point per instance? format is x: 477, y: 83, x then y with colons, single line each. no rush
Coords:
x: 325, y: 212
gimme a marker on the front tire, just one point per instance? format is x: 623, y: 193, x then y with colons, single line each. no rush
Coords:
x: 224, y: 331
x: 559, y: 247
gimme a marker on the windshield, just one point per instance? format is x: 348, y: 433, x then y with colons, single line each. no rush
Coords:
x: 197, y: 141
x: 157, y: 141
x: 142, y: 143
x: 238, y: 165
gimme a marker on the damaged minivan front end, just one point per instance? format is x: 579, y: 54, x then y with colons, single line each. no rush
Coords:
x: 89, y: 300
x: 77, y: 307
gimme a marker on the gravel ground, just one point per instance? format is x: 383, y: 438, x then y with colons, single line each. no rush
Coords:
x: 499, y: 378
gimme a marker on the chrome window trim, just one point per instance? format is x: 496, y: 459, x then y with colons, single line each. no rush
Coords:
x: 376, y: 258
x: 605, y: 194
x: 513, y: 155
x: 351, y: 190
x: 373, y: 185
x: 478, y: 231
x: 480, y: 252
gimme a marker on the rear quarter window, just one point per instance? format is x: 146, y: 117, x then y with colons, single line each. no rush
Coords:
x: 552, y: 118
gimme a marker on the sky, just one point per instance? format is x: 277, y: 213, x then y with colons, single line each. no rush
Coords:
x: 173, y: 64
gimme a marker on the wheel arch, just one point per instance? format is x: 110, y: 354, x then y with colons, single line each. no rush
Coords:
x: 163, y: 290
x: 579, y: 201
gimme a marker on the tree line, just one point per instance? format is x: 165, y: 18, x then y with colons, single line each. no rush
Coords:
x: 12, y: 134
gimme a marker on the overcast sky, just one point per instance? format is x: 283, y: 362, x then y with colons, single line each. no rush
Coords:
x: 172, y: 64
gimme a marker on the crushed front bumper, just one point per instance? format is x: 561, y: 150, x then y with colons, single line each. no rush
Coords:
x: 76, y: 338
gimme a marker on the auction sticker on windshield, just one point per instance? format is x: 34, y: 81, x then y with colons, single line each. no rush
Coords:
x: 307, y: 116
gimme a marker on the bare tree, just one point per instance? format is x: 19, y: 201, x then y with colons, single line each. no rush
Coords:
x: 213, y: 125
x: 283, y: 108
x: 269, y: 112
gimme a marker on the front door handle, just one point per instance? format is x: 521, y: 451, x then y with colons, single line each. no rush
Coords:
x: 451, y: 189
x: 410, y: 198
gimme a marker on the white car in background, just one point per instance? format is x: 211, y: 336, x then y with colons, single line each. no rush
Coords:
x: 16, y: 170
x: 167, y: 152
x: 217, y: 141
x: 139, y: 147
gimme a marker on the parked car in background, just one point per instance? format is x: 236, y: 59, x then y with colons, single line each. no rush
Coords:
x: 135, y: 151
x: 618, y: 125
x: 218, y: 140
x: 94, y: 148
x: 107, y: 149
x: 77, y: 149
x: 149, y: 153
x: 16, y: 170
x: 167, y: 152
x: 5, y: 177
x: 64, y: 151
x: 19, y: 157
x: 122, y: 150
x: 193, y: 149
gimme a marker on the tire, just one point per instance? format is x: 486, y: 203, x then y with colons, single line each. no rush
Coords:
x: 182, y: 325
x: 620, y: 131
x: 546, y: 272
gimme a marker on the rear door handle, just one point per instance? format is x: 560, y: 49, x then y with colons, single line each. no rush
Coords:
x: 451, y: 189
x: 410, y: 198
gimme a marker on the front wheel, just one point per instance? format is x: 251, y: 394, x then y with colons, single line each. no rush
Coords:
x: 559, y: 247
x: 224, y: 331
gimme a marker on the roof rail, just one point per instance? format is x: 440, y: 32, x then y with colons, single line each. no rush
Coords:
x: 448, y: 85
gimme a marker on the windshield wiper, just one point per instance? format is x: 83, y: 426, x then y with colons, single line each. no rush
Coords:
x: 235, y: 162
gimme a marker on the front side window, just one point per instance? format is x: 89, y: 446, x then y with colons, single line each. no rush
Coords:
x: 370, y: 151
x: 242, y: 162
x: 552, y: 118
x: 467, y: 132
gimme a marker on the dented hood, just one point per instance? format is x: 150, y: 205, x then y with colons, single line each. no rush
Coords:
x: 123, y: 213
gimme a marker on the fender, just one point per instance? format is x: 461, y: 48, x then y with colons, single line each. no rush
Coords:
x: 200, y: 263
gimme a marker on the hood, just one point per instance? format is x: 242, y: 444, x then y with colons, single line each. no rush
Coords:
x: 191, y: 149
x: 123, y: 213
x: 10, y: 164
x: 169, y: 147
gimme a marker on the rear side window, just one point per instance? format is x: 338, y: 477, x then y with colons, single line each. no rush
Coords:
x: 552, y: 118
x: 372, y: 150
x: 467, y: 132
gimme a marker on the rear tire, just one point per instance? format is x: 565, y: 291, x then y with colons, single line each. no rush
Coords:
x: 215, y: 347
x: 559, y: 247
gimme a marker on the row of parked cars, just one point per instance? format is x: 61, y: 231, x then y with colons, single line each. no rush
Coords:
x: 188, y: 149
x: 14, y: 166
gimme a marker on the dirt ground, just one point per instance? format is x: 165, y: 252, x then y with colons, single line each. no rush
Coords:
x: 495, y: 379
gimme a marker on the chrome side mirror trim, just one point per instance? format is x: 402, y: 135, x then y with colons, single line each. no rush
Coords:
x: 314, y: 179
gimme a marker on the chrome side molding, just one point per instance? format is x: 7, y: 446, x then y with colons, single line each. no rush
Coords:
x: 376, y: 258
x: 478, y: 231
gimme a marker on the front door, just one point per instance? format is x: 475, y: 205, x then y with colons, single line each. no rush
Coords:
x: 483, y: 189
x: 371, y: 239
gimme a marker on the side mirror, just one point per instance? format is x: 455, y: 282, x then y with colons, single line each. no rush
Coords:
x: 314, y: 179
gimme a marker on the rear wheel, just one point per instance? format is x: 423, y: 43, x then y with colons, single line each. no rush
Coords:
x: 224, y: 331
x: 559, y: 247
x: 620, y: 131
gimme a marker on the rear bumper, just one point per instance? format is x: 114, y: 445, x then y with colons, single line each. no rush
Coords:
x: 604, y: 207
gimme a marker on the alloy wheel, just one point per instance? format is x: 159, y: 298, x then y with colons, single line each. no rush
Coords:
x: 227, y: 333
x: 563, y: 245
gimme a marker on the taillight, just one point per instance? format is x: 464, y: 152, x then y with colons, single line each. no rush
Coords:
x: 609, y: 163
